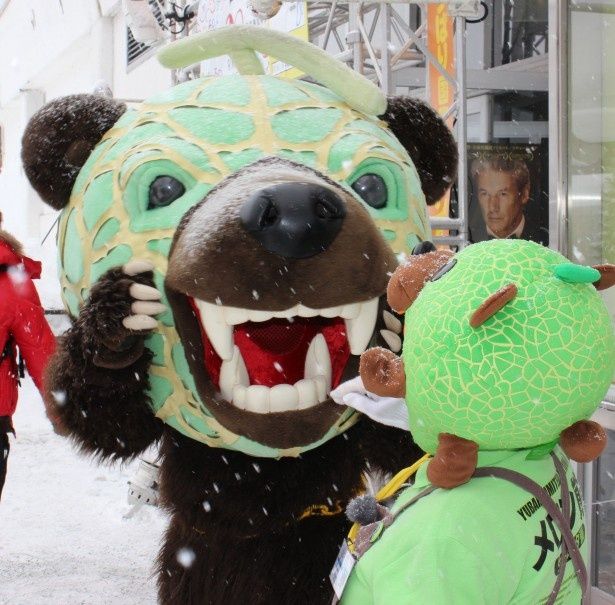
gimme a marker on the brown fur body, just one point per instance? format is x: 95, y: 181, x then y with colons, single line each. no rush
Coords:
x: 240, y: 516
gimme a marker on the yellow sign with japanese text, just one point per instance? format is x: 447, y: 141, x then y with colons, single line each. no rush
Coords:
x: 441, y: 95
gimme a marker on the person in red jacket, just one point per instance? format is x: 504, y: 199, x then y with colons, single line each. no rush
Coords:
x: 23, y: 325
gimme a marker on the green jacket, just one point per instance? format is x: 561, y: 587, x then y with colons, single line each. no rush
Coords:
x: 486, y: 542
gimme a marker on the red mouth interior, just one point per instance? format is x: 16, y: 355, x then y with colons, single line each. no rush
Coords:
x: 274, y: 351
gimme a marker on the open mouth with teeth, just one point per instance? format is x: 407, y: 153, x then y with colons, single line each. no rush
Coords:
x: 281, y: 361
x: 267, y: 375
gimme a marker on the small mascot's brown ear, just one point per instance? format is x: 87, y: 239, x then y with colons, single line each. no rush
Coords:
x: 408, y: 279
x: 427, y: 140
x: 60, y: 137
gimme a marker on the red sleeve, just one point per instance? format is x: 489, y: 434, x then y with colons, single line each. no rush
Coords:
x: 33, y: 336
x: 23, y: 287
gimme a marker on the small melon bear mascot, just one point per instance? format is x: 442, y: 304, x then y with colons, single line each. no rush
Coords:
x: 508, y: 349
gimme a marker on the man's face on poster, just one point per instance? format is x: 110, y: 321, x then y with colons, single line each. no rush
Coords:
x: 501, y: 201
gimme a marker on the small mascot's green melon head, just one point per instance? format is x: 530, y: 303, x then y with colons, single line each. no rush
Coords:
x: 506, y: 345
x: 272, y: 211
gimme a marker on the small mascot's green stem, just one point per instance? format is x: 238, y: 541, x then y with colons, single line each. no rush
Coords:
x: 241, y: 41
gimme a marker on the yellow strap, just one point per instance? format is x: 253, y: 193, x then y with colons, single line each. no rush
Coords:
x: 390, y: 489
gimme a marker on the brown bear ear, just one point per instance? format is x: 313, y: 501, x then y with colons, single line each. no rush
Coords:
x: 60, y: 137
x: 454, y: 462
x: 409, y: 279
x: 428, y: 141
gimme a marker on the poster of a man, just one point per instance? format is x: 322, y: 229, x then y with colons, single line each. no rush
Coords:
x: 507, y: 197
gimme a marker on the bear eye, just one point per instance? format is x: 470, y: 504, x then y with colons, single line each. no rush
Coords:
x: 444, y: 270
x: 163, y: 191
x: 372, y: 189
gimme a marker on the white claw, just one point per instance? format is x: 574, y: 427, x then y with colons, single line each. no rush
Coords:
x: 391, y: 322
x: 392, y: 339
x: 143, y: 307
x: 139, y: 322
x: 137, y: 266
x: 143, y: 292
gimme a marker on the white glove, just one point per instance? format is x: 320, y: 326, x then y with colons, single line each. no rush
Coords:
x: 391, y: 411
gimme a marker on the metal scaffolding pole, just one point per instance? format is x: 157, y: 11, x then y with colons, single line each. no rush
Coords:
x: 371, y: 51
x: 462, y: 129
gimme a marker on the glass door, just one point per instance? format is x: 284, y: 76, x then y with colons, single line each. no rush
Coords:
x: 589, y: 229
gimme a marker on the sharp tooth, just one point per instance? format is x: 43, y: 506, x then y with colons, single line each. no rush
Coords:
x: 218, y: 331
x: 322, y: 389
x: 235, y: 315
x: 307, y: 393
x: 318, y: 366
x: 257, y: 315
x: 306, y: 311
x: 318, y: 360
x: 359, y: 331
x: 351, y: 311
x: 257, y: 399
x: 239, y: 396
x: 331, y: 312
x: 283, y: 398
x: 391, y: 322
x: 392, y: 339
x: 232, y: 373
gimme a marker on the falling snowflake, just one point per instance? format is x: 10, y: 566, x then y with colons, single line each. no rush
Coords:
x: 185, y: 557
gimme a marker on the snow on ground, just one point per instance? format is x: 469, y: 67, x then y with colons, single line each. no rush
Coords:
x: 63, y: 536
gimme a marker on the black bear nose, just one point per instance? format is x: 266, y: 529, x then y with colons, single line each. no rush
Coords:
x: 294, y: 220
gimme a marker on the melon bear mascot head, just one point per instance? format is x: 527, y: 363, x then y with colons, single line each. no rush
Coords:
x: 224, y: 250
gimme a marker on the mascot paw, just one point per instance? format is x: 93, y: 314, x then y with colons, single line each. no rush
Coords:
x: 146, y: 299
x: 454, y: 461
x: 120, y: 314
x: 583, y: 441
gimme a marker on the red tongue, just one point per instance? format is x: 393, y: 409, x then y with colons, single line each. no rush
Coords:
x: 274, y: 351
x: 276, y: 336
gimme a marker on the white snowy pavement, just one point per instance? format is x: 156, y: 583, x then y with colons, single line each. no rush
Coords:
x: 63, y: 538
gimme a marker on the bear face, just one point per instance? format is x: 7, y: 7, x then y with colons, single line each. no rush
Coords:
x: 257, y: 333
